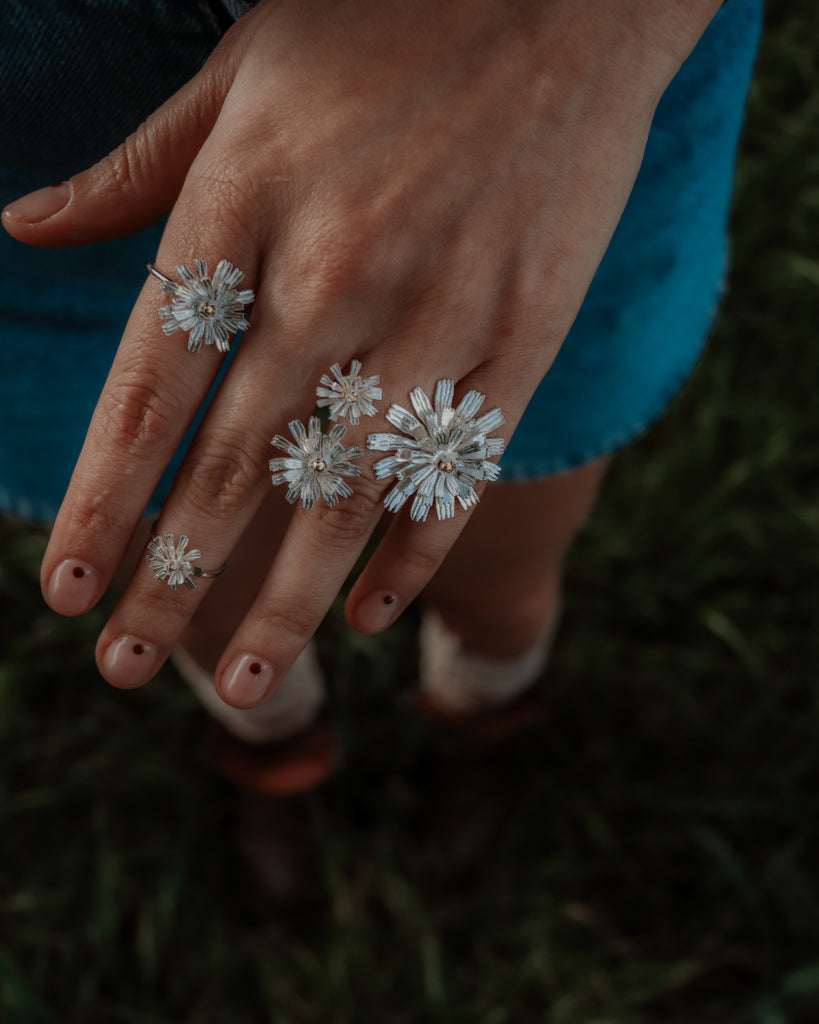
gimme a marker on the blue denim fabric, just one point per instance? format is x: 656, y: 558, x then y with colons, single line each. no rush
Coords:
x: 79, y: 75
x: 238, y: 8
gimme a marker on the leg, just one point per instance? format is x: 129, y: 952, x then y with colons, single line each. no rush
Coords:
x: 274, y: 754
x: 484, y: 637
x: 500, y: 586
x: 497, y: 596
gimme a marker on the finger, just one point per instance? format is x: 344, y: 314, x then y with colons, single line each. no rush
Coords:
x: 151, y: 618
x: 134, y: 185
x: 318, y: 551
x: 216, y: 497
x: 317, y: 555
x: 221, y: 482
x: 152, y: 394
x: 412, y: 551
x: 453, y: 320
x: 525, y: 336
x: 430, y: 519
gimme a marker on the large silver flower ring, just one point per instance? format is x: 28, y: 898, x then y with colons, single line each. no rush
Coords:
x: 440, y: 454
x: 174, y: 563
x: 209, y: 308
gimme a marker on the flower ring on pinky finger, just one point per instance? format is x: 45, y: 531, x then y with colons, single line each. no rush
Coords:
x: 210, y: 309
x: 316, y: 463
x: 172, y: 562
x: 444, y: 455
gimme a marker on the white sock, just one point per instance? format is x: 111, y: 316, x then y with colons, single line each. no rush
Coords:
x: 464, y: 681
x: 291, y: 708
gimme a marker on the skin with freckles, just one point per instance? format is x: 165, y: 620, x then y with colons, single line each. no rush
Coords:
x: 426, y: 187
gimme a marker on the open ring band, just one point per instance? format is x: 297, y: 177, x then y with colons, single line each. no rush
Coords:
x: 174, y: 563
x: 210, y: 309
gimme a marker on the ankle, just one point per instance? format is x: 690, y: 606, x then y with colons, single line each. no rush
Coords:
x: 287, y: 768
x: 506, y: 626
x: 461, y: 680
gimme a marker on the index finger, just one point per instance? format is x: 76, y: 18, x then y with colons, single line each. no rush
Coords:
x: 152, y: 394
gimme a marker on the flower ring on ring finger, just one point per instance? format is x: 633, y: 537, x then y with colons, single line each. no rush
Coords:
x: 445, y: 453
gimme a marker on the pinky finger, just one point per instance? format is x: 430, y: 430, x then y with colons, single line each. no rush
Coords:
x: 442, y: 455
x: 405, y: 561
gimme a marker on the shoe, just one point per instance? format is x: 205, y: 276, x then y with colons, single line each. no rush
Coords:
x: 470, y: 782
x: 274, y: 838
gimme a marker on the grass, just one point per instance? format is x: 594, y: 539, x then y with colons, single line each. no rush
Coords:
x: 660, y: 858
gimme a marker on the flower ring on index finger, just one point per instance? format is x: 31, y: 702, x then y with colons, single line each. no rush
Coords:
x: 210, y: 309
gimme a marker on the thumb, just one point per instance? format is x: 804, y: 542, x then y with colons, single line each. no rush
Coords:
x: 134, y: 185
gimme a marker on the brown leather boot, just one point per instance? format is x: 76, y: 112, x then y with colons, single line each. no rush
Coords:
x: 274, y: 839
x: 471, y: 781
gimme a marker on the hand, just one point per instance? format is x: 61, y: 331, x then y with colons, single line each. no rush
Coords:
x: 427, y: 187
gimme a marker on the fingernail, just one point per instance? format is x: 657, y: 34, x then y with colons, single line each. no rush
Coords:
x: 377, y: 611
x: 130, y: 662
x: 246, y: 682
x: 39, y: 205
x: 73, y: 587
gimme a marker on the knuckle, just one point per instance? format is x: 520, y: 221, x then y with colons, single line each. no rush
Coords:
x: 338, y: 258
x: 96, y: 517
x: 222, y: 474
x: 350, y: 521
x: 335, y: 255
x: 226, y: 191
x: 134, y: 414
x: 169, y: 608
x: 422, y: 562
x: 127, y: 166
x: 323, y: 275
x: 292, y: 620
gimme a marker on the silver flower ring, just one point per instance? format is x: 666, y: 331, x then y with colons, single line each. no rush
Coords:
x: 210, y: 309
x: 174, y: 563
x: 442, y: 451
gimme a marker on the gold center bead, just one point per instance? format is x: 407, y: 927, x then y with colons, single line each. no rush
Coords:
x: 318, y: 465
x: 207, y: 309
x: 446, y: 466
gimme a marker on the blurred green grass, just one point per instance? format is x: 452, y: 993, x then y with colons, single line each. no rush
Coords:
x: 660, y: 860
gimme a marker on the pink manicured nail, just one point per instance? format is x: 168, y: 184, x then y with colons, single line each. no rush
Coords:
x: 377, y: 611
x: 246, y: 681
x: 130, y: 662
x: 73, y: 587
x: 39, y: 205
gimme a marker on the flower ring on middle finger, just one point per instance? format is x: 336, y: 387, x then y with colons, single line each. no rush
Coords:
x: 349, y: 394
x: 316, y: 463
